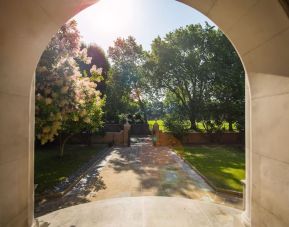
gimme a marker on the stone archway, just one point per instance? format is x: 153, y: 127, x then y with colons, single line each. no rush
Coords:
x: 259, y: 30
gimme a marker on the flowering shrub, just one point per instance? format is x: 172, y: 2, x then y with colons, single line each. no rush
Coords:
x: 66, y: 102
x: 70, y: 104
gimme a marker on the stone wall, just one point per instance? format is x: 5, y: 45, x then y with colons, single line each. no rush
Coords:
x: 259, y: 30
x: 118, y: 138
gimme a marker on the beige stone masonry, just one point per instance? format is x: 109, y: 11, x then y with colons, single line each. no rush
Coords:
x: 259, y: 30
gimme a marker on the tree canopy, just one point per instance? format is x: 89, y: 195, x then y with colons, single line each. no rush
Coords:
x: 99, y: 59
x: 199, y: 72
x: 192, y: 74
x: 124, y: 93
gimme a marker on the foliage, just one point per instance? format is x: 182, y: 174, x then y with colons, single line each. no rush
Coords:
x: 179, y: 64
x: 155, y: 109
x: 135, y: 118
x: 200, y: 125
x: 199, y: 72
x: 224, y: 166
x: 122, y: 118
x: 99, y: 59
x: 177, y: 125
x: 159, y: 122
x: 240, y: 124
x: 118, y: 100
x: 213, y: 126
x: 125, y: 79
x: 66, y: 102
x: 229, y: 83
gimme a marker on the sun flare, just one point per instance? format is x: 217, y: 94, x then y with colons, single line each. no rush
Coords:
x: 106, y: 20
x: 114, y: 15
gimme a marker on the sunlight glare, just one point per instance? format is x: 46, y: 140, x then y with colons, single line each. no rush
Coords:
x: 114, y: 15
x: 107, y: 20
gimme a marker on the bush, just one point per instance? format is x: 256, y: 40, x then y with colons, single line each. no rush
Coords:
x: 138, y: 118
x: 122, y: 118
x: 213, y: 126
x: 240, y: 124
x: 135, y: 119
x: 175, y: 124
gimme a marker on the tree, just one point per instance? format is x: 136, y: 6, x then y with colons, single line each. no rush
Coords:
x: 99, y: 59
x: 87, y: 114
x: 180, y: 65
x: 229, y: 82
x: 66, y: 102
x: 155, y: 109
x: 125, y: 76
x: 199, y: 72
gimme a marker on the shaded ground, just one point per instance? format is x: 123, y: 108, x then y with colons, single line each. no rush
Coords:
x: 53, y: 173
x: 139, y: 170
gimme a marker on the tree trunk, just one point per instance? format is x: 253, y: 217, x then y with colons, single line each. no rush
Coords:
x: 230, y: 125
x: 63, y: 141
x: 88, y: 139
x: 143, y: 109
x: 193, y: 122
x: 141, y: 104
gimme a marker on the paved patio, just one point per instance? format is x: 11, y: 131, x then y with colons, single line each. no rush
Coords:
x: 139, y: 170
x: 145, y: 211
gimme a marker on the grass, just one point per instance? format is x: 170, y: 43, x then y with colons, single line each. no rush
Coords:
x: 200, y: 125
x: 50, y: 169
x: 223, y: 166
x: 160, y: 123
x: 225, y: 125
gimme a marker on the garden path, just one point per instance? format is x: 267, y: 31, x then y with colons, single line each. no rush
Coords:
x: 139, y: 170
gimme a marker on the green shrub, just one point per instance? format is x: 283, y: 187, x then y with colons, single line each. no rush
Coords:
x: 213, y: 126
x: 175, y: 124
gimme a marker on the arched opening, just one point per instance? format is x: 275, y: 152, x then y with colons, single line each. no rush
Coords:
x: 262, y: 43
x: 167, y: 180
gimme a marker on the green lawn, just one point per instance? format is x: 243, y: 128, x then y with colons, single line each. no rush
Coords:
x: 160, y: 123
x: 224, y: 166
x: 50, y: 169
x: 225, y: 125
x: 199, y: 125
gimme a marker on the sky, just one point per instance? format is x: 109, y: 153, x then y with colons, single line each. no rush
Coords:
x: 107, y: 20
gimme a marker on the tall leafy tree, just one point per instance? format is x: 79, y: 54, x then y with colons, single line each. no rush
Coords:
x: 125, y: 76
x: 229, y: 82
x: 200, y: 73
x: 180, y: 65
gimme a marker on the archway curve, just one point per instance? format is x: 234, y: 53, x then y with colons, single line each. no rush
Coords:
x: 260, y: 40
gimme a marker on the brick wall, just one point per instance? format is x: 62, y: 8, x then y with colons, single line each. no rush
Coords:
x: 168, y: 139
